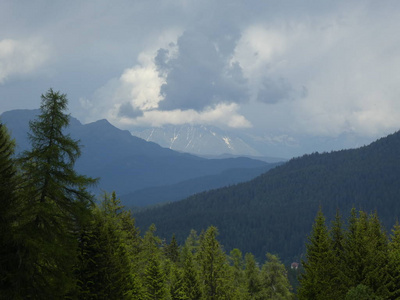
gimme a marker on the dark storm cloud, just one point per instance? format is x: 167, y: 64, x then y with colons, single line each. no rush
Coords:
x: 275, y: 90
x: 201, y: 73
x: 127, y: 110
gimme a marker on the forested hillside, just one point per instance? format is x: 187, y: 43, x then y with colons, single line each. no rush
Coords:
x: 274, y: 212
x: 125, y: 163
x: 57, y: 242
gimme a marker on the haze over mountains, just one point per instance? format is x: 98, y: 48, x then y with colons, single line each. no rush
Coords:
x: 126, y: 163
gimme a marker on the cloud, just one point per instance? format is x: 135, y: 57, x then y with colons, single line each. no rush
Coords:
x: 222, y: 115
x: 201, y: 71
x: 21, y: 57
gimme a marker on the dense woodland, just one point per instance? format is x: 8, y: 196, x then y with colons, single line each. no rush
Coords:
x: 358, y: 261
x: 58, y: 242
x: 274, y: 212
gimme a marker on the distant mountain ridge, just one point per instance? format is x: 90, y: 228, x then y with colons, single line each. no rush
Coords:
x: 197, y: 139
x: 124, y: 162
x: 275, y: 211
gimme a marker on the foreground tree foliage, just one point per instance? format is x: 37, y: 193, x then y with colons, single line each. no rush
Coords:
x: 359, y: 262
x: 8, y: 215
x: 58, y: 243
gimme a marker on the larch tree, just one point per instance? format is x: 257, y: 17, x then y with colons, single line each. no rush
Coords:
x: 55, y: 200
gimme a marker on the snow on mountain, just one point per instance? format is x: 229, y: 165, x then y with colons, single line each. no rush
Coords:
x: 200, y: 140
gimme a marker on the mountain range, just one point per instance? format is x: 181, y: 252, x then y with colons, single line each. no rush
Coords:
x: 126, y: 164
x: 197, y: 139
x: 274, y: 212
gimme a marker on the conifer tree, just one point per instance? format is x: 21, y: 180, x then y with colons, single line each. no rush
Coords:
x: 8, y: 215
x: 274, y: 279
x: 106, y: 270
x: 171, y: 251
x: 190, y: 282
x: 338, y: 239
x: 177, y: 290
x: 213, y: 266
x: 394, y: 263
x: 318, y: 280
x: 253, y: 276
x: 238, y: 281
x: 154, y: 279
x: 366, y: 253
x: 54, y: 201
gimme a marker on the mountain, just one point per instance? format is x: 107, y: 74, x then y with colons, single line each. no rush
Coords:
x: 126, y: 163
x: 181, y: 190
x: 275, y: 211
x: 200, y: 140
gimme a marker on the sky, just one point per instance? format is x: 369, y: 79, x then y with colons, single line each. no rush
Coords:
x: 291, y: 73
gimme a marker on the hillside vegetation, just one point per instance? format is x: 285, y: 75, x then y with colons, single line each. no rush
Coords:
x: 274, y: 212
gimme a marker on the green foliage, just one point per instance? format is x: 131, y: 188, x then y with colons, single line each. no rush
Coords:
x: 171, y: 251
x: 106, y: 267
x: 357, y: 263
x: 54, y: 201
x: 8, y: 216
x: 360, y: 292
x: 320, y: 270
x: 274, y: 279
x: 253, y: 276
x: 394, y: 263
x: 275, y: 211
x: 190, y: 281
x: 213, y: 265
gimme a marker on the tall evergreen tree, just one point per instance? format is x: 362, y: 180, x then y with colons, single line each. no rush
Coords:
x: 337, y: 234
x: 320, y: 276
x: 253, y: 276
x: 54, y: 201
x: 394, y: 263
x: 8, y: 215
x: 366, y: 253
x: 274, y: 279
x: 171, y: 251
x: 190, y: 282
x: 238, y: 274
x: 154, y: 279
x: 106, y: 269
x: 213, y: 266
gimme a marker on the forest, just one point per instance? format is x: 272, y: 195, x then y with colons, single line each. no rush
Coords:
x: 60, y: 242
x: 275, y: 211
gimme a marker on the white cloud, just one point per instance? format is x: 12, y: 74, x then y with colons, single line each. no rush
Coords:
x: 219, y: 115
x: 21, y: 57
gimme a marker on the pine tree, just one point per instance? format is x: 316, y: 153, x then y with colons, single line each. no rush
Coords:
x: 394, y: 263
x: 54, y: 200
x: 171, y: 251
x: 190, y: 282
x: 253, y: 276
x: 154, y: 279
x: 366, y: 254
x: 213, y: 266
x: 238, y: 275
x: 338, y: 239
x: 106, y: 269
x: 320, y: 276
x: 177, y: 290
x: 9, y: 211
x: 274, y: 279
